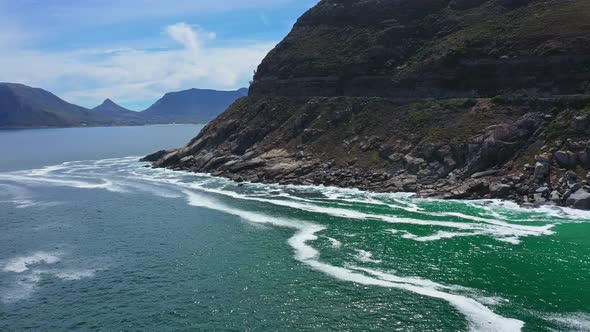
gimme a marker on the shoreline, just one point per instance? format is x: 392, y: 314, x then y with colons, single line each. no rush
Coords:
x: 470, y: 189
x: 104, y: 126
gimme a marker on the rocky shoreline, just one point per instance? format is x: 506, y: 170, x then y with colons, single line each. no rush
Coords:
x: 281, y: 167
x: 488, y: 165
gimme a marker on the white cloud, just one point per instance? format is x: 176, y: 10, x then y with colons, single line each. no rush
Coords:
x: 188, y: 36
x: 88, y: 76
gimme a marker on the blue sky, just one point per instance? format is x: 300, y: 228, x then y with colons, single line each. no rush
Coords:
x: 134, y: 51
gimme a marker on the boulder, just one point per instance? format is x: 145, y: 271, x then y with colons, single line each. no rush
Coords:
x: 580, y: 123
x: 575, y: 187
x: 579, y: 200
x: 584, y: 158
x: 541, y: 170
x: 485, y: 173
x: 544, y: 157
x: 566, y: 159
x: 555, y: 197
x: 500, y: 190
x: 413, y: 164
x: 539, y: 199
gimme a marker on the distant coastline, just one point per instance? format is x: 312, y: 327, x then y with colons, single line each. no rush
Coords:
x: 108, y: 126
x: 22, y: 106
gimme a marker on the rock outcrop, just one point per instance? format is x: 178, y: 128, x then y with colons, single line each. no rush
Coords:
x: 455, y: 99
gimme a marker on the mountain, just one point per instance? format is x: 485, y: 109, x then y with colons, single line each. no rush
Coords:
x: 194, y: 105
x: 112, y: 110
x: 23, y: 106
x: 444, y: 98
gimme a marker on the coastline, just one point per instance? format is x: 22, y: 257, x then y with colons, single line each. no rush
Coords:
x: 484, y: 187
x: 105, y: 126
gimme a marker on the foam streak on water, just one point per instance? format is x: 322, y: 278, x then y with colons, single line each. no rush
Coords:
x: 496, y: 220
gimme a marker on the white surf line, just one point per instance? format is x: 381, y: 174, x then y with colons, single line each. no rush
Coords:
x: 351, y: 201
x: 479, y: 317
x: 334, y: 194
x: 495, y: 229
x: 578, y: 321
x: 434, y: 237
x: 108, y: 185
x: 502, y: 231
x: 46, y: 170
x: 21, y: 198
x: 545, y: 228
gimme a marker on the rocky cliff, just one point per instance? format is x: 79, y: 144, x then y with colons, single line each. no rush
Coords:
x: 447, y: 98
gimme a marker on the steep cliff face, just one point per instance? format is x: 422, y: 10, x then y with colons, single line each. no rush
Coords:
x: 459, y: 99
x: 432, y: 49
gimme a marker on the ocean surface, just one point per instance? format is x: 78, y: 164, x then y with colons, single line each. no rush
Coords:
x: 91, y: 239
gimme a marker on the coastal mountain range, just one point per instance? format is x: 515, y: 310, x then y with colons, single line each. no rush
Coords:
x: 444, y: 98
x: 22, y: 106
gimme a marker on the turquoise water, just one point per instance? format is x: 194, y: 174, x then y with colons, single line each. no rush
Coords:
x: 107, y: 244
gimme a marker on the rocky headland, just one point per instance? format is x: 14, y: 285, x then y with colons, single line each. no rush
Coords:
x: 460, y: 99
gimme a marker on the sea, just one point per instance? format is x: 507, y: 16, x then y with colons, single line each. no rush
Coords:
x: 92, y: 239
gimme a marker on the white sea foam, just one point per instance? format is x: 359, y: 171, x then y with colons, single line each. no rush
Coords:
x: 480, y: 317
x: 365, y: 257
x: 501, y: 230
x: 434, y: 237
x: 21, y: 289
x: 46, y: 170
x: 64, y: 182
x: 23, y: 204
x: 22, y: 263
x: 575, y: 322
x: 73, y: 275
x: 28, y: 271
x: 335, y: 243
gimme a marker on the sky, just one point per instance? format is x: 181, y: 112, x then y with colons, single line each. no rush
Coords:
x: 134, y: 51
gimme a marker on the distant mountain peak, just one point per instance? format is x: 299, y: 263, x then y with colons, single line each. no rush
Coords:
x: 110, y: 106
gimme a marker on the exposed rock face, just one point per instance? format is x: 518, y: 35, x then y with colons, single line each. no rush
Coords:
x: 364, y: 94
x: 431, y: 49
